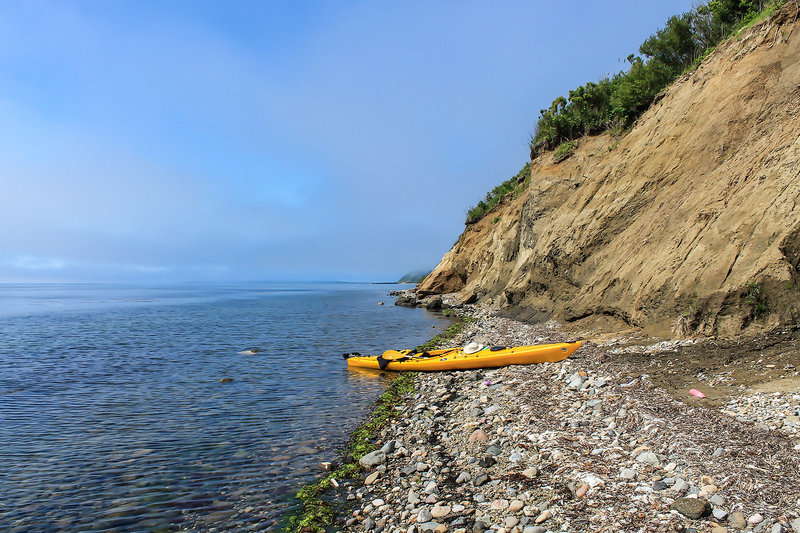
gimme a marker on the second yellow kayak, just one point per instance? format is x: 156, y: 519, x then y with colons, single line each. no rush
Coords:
x: 458, y: 359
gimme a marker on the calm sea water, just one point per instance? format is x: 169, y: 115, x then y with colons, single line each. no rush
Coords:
x: 113, y: 416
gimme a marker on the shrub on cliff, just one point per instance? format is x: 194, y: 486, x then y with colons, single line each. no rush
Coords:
x: 515, y: 184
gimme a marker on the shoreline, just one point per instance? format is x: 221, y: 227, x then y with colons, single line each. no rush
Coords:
x: 588, y: 444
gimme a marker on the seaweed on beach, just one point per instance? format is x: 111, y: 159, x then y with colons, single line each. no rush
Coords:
x: 317, y: 510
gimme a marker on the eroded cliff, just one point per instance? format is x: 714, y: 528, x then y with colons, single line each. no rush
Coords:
x: 689, y: 223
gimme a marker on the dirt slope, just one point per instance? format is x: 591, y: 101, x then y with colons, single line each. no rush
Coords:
x: 690, y: 223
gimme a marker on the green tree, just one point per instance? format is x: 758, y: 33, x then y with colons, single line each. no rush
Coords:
x: 674, y: 45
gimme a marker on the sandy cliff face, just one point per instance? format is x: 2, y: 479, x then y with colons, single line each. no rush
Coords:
x: 689, y: 223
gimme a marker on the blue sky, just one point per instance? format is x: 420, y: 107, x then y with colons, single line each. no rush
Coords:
x: 169, y: 141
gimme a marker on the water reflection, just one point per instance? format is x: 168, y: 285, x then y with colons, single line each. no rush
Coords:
x: 113, y: 418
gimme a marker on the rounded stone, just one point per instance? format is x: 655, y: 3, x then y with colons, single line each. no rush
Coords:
x: 478, y: 435
x: 479, y: 526
x: 515, y: 506
x: 693, y: 508
x: 440, y: 511
x: 736, y: 520
x: 648, y: 458
x: 499, y: 504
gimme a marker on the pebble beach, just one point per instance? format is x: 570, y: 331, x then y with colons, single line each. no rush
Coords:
x: 587, y: 444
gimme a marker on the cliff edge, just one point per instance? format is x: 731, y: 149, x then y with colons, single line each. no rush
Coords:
x: 688, y: 224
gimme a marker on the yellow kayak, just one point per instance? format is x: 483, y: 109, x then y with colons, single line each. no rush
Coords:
x: 458, y: 359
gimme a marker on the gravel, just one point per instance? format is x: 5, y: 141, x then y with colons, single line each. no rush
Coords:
x: 575, y: 446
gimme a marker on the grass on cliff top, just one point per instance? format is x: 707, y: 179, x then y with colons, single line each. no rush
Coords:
x: 316, y: 512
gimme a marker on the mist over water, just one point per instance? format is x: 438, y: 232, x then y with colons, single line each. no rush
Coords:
x: 113, y: 416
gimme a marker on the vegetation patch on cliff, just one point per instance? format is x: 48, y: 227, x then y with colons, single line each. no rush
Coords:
x: 516, y: 184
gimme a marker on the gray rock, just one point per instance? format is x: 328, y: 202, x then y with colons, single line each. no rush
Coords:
x: 424, y: 516
x: 480, y: 480
x: 796, y: 525
x: 429, y: 526
x: 575, y: 383
x: 693, y: 508
x: 717, y: 500
x: 680, y: 485
x: 659, y: 485
x: 389, y: 447
x: 494, y: 450
x: 372, y: 459
x: 463, y: 477
x: 777, y: 528
x: 406, y: 301
x: 648, y: 458
x: 628, y: 473
x: 408, y: 470
x: 719, y: 514
x: 434, y: 304
x: 369, y: 524
x: 479, y: 526
x: 486, y: 462
x: 491, y: 410
x: 534, y: 529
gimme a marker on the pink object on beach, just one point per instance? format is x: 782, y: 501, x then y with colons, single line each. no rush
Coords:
x: 695, y: 392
